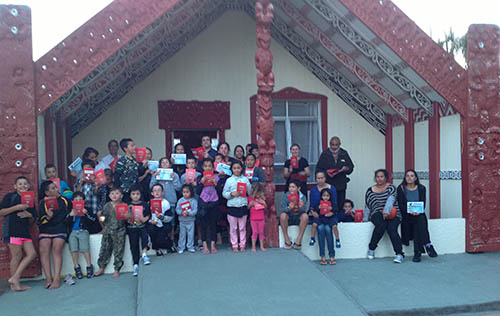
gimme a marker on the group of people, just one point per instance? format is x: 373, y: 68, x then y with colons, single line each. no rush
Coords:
x: 196, y: 198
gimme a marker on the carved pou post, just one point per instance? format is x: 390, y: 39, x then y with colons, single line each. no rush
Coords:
x: 264, y: 13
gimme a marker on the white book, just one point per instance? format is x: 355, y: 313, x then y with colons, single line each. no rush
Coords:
x: 415, y: 207
x: 165, y: 174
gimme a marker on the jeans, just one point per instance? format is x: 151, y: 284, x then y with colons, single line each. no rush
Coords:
x: 381, y: 225
x: 133, y: 235
x: 325, y: 232
x: 186, y: 228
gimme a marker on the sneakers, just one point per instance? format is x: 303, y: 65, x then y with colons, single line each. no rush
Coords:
x: 191, y: 250
x: 159, y: 253
x: 312, y: 241
x: 90, y: 271
x: 417, y: 257
x: 371, y: 254
x: 78, y: 272
x: 146, y: 260
x: 398, y: 259
x: 431, y: 251
x: 136, y: 270
x: 337, y: 244
x: 68, y: 279
x: 180, y: 251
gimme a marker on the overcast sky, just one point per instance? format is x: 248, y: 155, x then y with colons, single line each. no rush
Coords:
x: 53, y: 20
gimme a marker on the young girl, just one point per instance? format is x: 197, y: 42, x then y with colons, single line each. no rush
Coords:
x: 187, y: 208
x: 257, y: 204
x: 136, y: 228
x: 53, y: 232
x: 237, y: 205
x: 327, y: 221
x: 209, y: 208
x: 160, y: 224
x: 16, y: 232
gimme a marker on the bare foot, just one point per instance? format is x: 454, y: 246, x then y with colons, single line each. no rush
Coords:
x: 242, y: 250
x: 235, y: 250
x: 48, y: 283
x: 205, y: 250
x: 15, y: 285
x: 214, y: 250
x: 116, y: 274
x: 263, y: 249
x: 25, y: 287
x: 254, y: 250
x: 99, y: 272
x: 55, y: 284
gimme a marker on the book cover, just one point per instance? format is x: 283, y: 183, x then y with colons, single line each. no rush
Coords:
x: 179, y: 159
x: 112, y: 165
x: 332, y: 170
x: 294, y: 198
x: 190, y: 175
x: 358, y: 216
x: 57, y: 181
x: 156, y: 206
x: 259, y: 206
x: 140, y: 154
x: 100, y: 176
x: 51, y: 203
x: 215, y: 165
x: 76, y: 165
x: 324, y: 207
x: 121, y: 211
x: 137, y: 212
x: 186, y: 206
x: 241, y: 187
x: 224, y: 168
x: 87, y: 173
x: 199, y: 152
x: 415, y: 207
x: 78, y: 207
x: 28, y: 198
x: 208, y: 175
x: 153, y: 165
x: 294, y: 162
x: 249, y: 173
x: 257, y: 213
x: 257, y: 163
x: 165, y: 174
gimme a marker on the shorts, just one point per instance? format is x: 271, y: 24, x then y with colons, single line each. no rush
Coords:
x: 79, y: 241
x: 52, y: 236
x: 294, y: 218
x: 330, y: 221
x: 19, y: 240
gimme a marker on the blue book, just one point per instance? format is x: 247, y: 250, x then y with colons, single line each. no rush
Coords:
x: 415, y: 207
x: 76, y: 165
x: 179, y: 159
x: 153, y: 165
x: 222, y: 167
x: 165, y: 174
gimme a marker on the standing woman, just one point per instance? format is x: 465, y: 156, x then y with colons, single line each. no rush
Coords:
x: 299, y: 172
x: 239, y: 153
x: 414, y: 225
x: 223, y: 149
x: 179, y: 169
x: 380, y: 198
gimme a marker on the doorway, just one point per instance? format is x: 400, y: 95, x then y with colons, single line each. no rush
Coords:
x: 192, y: 138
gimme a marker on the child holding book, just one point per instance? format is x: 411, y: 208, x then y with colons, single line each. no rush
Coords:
x: 126, y: 169
x: 253, y: 173
x: 327, y: 220
x: 113, y: 234
x: 160, y: 223
x: 209, y: 207
x: 54, y: 214
x: 51, y: 173
x: 235, y: 191
x: 257, y: 204
x: 136, y: 228
x: 293, y: 212
x: 16, y: 230
x: 104, y: 189
x: 78, y: 240
x: 190, y: 175
x: 187, y: 208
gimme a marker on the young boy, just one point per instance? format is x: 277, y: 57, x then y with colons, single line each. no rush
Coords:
x: 136, y: 228
x: 348, y: 215
x: 51, y: 173
x: 126, y: 169
x: 293, y: 214
x: 113, y: 234
x: 159, y: 225
x: 78, y: 239
x: 190, y: 164
x: 16, y: 232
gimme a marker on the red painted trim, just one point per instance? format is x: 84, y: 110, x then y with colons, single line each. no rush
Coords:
x: 290, y: 93
x: 410, y: 141
x: 61, y: 162
x: 69, y: 152
x: 49, y: 138
x: 389, y: 165
x: 464, y: 132
x: 434, y: 164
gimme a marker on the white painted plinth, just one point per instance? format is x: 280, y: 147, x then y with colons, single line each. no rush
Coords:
x: 447, y: 236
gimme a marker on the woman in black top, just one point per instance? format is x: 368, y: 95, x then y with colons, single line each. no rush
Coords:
x: 414, y: 225
x: 299, y: 172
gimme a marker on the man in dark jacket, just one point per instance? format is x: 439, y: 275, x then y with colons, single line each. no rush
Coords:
x: 336, y: 164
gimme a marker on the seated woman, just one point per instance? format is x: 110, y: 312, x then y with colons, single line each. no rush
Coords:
x: 380, y: 198
x: 314, y: 199
x: 414, y: 225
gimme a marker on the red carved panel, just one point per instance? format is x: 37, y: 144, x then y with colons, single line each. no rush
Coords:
x: 481, y: 141
x: 184, y: 115
x: 410, y: 142
x: 91, y: 44
x: 49, y: 138
x: 434, y: 164
x: 18, y: 132
x: 414, y: 47
x: 389, y: 165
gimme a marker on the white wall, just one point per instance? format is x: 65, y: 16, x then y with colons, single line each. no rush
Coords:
x: 451, y: 159
x: 398, y: 148
x: 219, y: 65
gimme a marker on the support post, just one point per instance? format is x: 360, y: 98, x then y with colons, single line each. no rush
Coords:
x: 49, y: 138
x: 69, y: 152
x: 61, y: 165
x: 410, y: 141
x: 434, y: 164
x: 389, y: 165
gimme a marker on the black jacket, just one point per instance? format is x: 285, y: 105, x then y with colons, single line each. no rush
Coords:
x: 326, y: 162
x: 406, y: 223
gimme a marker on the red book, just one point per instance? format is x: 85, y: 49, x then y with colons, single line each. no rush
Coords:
x: 137, y: 212
x: 51, y: 203
x: 140, y: 154
x: 57, y: 181
x: 241, y: 187
x: 215, y: 165
x: 257, y: 212
x: 294, y: 198
x: 358, y: 216
x: 78, y: 207
x: 324, y: 207
x: 186, y: 206
x: 87, y: 172
x: 208, y: 175
x: 113, y: 163
x: 332, y: 170
x: 28, y: 198
x: 100, y: 176
x: 156, y: 206
x: 257, y: 163
x: 199, y: 152
x: 190, y: 175
x: 121, y: 211
x: 294, y: 162
x: 249, y: 173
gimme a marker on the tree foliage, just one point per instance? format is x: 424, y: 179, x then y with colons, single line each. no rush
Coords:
x: 454, y: 45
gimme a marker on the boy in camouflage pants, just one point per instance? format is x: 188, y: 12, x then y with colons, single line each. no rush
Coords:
x: 113, y: 235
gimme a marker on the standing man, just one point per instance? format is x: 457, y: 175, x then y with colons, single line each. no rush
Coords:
x: 113, y: 155
x: 336, y: 164
x: 206, y: 142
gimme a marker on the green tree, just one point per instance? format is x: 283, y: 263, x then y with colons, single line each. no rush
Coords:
x: 454, y: 45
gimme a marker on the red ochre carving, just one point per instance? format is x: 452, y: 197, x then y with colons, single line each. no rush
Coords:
x: 18, y: 133
x: 264, y: 14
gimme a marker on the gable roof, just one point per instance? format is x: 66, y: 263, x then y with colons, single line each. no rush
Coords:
x: 370, y: 54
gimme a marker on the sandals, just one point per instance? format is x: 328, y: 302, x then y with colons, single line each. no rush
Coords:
x: 323, y: 262
x: 332, y: 261
x: 297, y: 246
x: 288, y: 245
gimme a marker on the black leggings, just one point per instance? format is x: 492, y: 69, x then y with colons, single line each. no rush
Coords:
x: 160, y: 236
x: 209, y: 223
x: 381, y: 225
x: 133, y: 235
